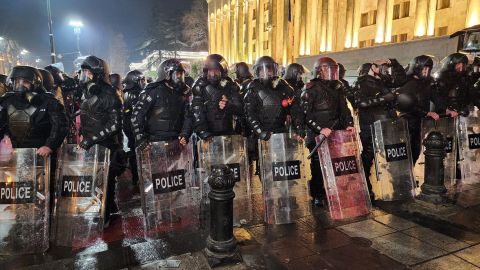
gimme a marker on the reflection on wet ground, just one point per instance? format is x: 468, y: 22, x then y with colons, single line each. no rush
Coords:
x: 386, y: 239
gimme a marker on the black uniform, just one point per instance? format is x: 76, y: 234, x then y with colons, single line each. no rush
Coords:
x: 323, y: 103
x: 210, y: 120
x: 100, y: 122
x: 33, y: 123
x: 415, y: 98
x: 162, y: 113
x: 267, y: 108
x: 374, y: 101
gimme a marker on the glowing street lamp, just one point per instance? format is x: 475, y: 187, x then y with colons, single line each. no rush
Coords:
x: 23, y: 52
x: 77, y: 28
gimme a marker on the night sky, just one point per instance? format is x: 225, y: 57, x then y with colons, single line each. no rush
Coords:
x: 26, y: 21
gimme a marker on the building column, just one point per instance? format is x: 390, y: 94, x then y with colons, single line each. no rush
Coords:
x: 473, y: 13
x: 356, y: 23
x: 432, y: 9
x: 349, y: 24
x: 331, y: 24
x: 381, y: 16
x: 324, y: 23
x: 421, y: 18
x: 389, y: 22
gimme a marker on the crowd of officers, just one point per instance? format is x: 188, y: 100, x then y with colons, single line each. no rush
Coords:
x: 39, y: 108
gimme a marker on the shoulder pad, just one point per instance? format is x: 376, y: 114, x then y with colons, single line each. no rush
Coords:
x: 153, y: 85
x: 309, y: 85
x: 200, y: 82
x: 253, y: 84
x: 281, y: 83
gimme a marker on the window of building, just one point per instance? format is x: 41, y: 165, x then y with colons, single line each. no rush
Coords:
x: 265, y: 6
x: 265, y: 45
x: 442, y: 31
x: 441, y: 4
x: 254, y: 32
x: 254, y: 14
x: 403, y: 37
x: 396, y: 11
x: 371, y: 42
x: 362, y: 44
x: 254, y: 50
x: 368, y: 18
x: 364, y: 20
x: 406, y: 9
x: 394, y: 39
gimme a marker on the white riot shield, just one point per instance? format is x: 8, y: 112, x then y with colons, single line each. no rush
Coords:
x: 448, y: 128
x: 469, y: 143
x: 170, y: 198
x: 24, y: 202
x: 80, y: 195
x: 343, y: 176
x: 230, y: 151
x: 393, y: 160
x: 282, y: 170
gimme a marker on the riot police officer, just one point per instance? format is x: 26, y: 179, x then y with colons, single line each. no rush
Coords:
x: 414, y: 99
x: 29, y: 116
x: 474, y: 70
x: 72, y: 94
x: 243, y: 75
x: 270, y: 100
x: 216, y: 103
x: 116, y: 81
x: 134, y: 83
x: 47, y: 81
x: 453, y: 86
x: 374, y: 100
x: 162, y: 112
x: 325, y: 109
x: 294, y: 74
x: 100, y: 121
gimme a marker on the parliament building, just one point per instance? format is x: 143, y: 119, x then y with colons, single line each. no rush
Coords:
x: 300, y: 30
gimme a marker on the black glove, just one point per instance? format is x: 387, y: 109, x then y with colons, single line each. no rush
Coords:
x: 389, y: 97
x: 86, y: 144
x: 265, y: 135
x: 204, y: 135
x: 142, y: 143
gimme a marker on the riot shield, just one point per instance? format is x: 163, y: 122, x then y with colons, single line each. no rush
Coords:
x: 230, y: 151
x: 343, y: 176
x: 469, y: 143
x: 282, y: 170
x: 170, y: 198
x: 393, y: 160
x: 80, y: 195
x: 24, y: 202
x: 448, y: 128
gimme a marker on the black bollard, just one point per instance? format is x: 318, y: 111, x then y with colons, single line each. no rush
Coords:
x: 433, y: 189
x: 221, y: 244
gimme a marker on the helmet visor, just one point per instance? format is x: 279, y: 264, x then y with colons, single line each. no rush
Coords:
x: 267, y: 71
x: 328, y: 72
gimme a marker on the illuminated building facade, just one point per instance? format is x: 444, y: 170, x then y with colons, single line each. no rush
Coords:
x: 242, y: 30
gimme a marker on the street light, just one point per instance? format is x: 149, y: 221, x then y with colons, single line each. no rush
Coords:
x: 23, y: 52
x: 77, y: 27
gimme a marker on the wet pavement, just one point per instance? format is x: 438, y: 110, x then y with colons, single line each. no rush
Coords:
x: 389, y: 238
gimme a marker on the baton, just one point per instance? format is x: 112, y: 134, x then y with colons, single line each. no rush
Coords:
x: 322, y: 139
